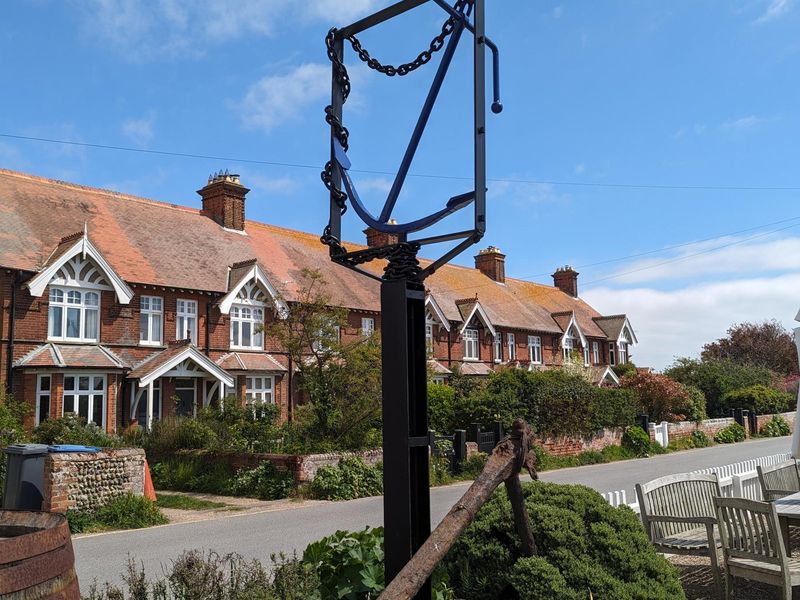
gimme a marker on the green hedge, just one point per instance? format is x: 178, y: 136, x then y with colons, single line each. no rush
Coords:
x: 761, y: 399
x: 585, y: 546
x: 350, y: 479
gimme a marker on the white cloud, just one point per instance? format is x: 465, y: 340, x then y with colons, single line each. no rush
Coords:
x: 276, y: 99
x: 375, y: 184
x: 743, y: 123
x: 678, y: 322
x: 526, y: 194
x: 141, y: 130
x: 184, y: 28
x: 261, y: 184
x: 775, y: 10
x: 704, y: 259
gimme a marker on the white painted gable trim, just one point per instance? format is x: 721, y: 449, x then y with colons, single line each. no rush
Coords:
x: 229, y: 299
x: 573, y: 323
x: 83, y: 246
x: 627, y: 325
x: 430, y: 302
x: 609, y: 372
x: 197, y: 357
x: 481, y: 314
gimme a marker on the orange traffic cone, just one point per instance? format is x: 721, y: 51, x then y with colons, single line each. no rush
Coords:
x: 149, y: 489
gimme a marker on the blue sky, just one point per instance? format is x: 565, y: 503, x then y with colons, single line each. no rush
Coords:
x: 637, y: 120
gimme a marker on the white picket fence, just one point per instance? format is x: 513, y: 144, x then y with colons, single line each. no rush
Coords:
x: 739, y: 480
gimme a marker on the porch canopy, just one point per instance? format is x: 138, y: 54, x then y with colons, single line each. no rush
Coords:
x: 181, y: 359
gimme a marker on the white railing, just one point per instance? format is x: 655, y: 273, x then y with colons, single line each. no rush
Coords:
x: 738, y: 480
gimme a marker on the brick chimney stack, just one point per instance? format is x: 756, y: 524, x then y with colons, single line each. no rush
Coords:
x: 223, y: 200
x: 492, y: 263
x: 377, y: 239
x: 566, y: 279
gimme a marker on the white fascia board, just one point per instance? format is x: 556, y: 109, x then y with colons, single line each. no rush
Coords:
x: 627, y: 325
x: 610, y: 373
x: 195, y: 355
x: 478, y: 310
x: 430, y: 302
x: 229, y: 299
x: 37, y: 285
x: 573, y: 323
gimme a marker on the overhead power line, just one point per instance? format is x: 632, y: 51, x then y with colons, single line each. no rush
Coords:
x: 292, y: 165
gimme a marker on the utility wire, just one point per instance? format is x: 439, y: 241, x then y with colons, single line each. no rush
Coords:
x: 390, y: 173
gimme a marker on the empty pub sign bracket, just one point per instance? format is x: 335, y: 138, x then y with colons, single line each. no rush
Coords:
x: 462, y: 16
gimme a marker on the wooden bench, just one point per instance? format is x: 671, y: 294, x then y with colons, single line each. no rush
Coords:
x: 679, y: 516
x: 752, y: 546
x: 779, y: 480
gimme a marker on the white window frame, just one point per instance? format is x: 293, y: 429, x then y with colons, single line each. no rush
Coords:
x: 259, y: 390
x: 184, y: 316
x: 498, y: 347
x: 93, y: 394
x: 596, y: 352
x: 611, y: 354
x: 153, y: 315
x: 623, y: 353
x: 40, y: 393
x: 511, y: 343
x: 242, y: 316
x: 535, y: 349
x: 569, y: 346
x: 472, y: 343
x: 429, y: 338
x: 586, y: 356
x: 367, y: 326
x: 66, y: 303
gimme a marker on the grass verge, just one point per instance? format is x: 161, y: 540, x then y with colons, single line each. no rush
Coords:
x: 186, y: 502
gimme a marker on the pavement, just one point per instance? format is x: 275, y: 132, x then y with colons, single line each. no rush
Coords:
x: 291, y: 526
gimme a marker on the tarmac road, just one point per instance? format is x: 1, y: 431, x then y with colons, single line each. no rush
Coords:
x: 103, y: 556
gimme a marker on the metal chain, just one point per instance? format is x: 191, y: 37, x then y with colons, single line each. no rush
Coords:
x: 343, y: 79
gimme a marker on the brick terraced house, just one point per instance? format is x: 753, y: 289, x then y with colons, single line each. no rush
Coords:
x: 123, y: 309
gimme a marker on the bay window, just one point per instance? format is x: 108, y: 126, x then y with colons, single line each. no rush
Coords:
x: 247, y: 327
x: 73, y: 315
x: 151, y: 313
x: 471, y: 349
x: 85, y: 396
x: 535, y: 349
x: 186, y: 320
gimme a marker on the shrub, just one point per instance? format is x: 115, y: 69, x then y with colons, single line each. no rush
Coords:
x: 127, y: 511
x: 700, y: 439
x: 636, y: 440
x: 730, y: 434
x: 759, y: 398
x: 441, y: 406
x: 192, y: 474
x: 194, y: 434
x: 351, y: 478
x: 439, y: 470
x: 592, y: 457
x: 199, y: 575
x: 72, y: 429
x: 612, y: 407
x: 585, y: 546
x: 776, y: 427
x: 474, y: 465
x: 695, y: 409
x: 660, y: 397
x: 12, y: 415
x: 627, y: 369
x: 262, y: 482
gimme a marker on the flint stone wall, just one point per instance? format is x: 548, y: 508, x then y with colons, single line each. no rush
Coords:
x: 87, y: 480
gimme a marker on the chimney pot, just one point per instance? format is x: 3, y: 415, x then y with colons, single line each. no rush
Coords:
x: 378, y: 239
x: 492, y: 263
x: 566, y: 279
x: 223, y: 200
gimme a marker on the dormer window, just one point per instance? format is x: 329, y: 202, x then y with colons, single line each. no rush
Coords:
x: 247, y: 327
x: 471, y: 348
x: 74, y: 315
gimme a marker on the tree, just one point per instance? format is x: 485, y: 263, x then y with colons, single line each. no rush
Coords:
x: 341, y: 380
x: 765, y: 344
x: 660, y: 397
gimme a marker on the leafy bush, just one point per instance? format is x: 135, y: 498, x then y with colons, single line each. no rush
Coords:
x: 262, y: 482
x: 72, y: 429
x: 636, y: 440
x: 127, y: 511
x: 192, y: 474
x: 776, y: 427
x: 612, y: 407
x: 695, y: 409
x: 761, y: 399
x: 351, y: 478
x: 349, y: 565
x: 439, y: 470
x: 474, y: 465
x: 201, y: 576
x: 700, y: 439
x: 624, y: 370
x: 12, y: 416
x: 660, y: 397
x: 730, y: 434
x: 441, y: 406
x: 715, y: 378
x: 585, y: 546
x: 194, y: 434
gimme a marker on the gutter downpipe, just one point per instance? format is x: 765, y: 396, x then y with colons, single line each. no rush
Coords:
x: 290, y: 403
x: 12, y: 321
x: 208, y: 327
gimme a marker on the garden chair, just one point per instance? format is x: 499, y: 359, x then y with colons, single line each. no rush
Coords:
x: 752, y: 545
x: 678, y: 514
x: 779, y: 480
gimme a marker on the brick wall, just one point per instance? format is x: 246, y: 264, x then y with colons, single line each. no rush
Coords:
x: 86, y: 480
x: 570, y: 446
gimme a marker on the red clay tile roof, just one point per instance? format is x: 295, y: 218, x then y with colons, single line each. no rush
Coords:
x: 611, y: 325
x: 154, y: 361
x: 438, y: 368
x: 250, y: 361
x: 68, y: 356
x: 163, y: 244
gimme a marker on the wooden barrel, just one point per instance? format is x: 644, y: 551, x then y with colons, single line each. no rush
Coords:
x: 36, y: 558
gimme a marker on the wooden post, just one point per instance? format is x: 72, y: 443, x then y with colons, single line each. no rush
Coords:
x: 504, y: 464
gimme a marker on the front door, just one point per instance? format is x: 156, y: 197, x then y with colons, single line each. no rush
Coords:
x: 185, y: 394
